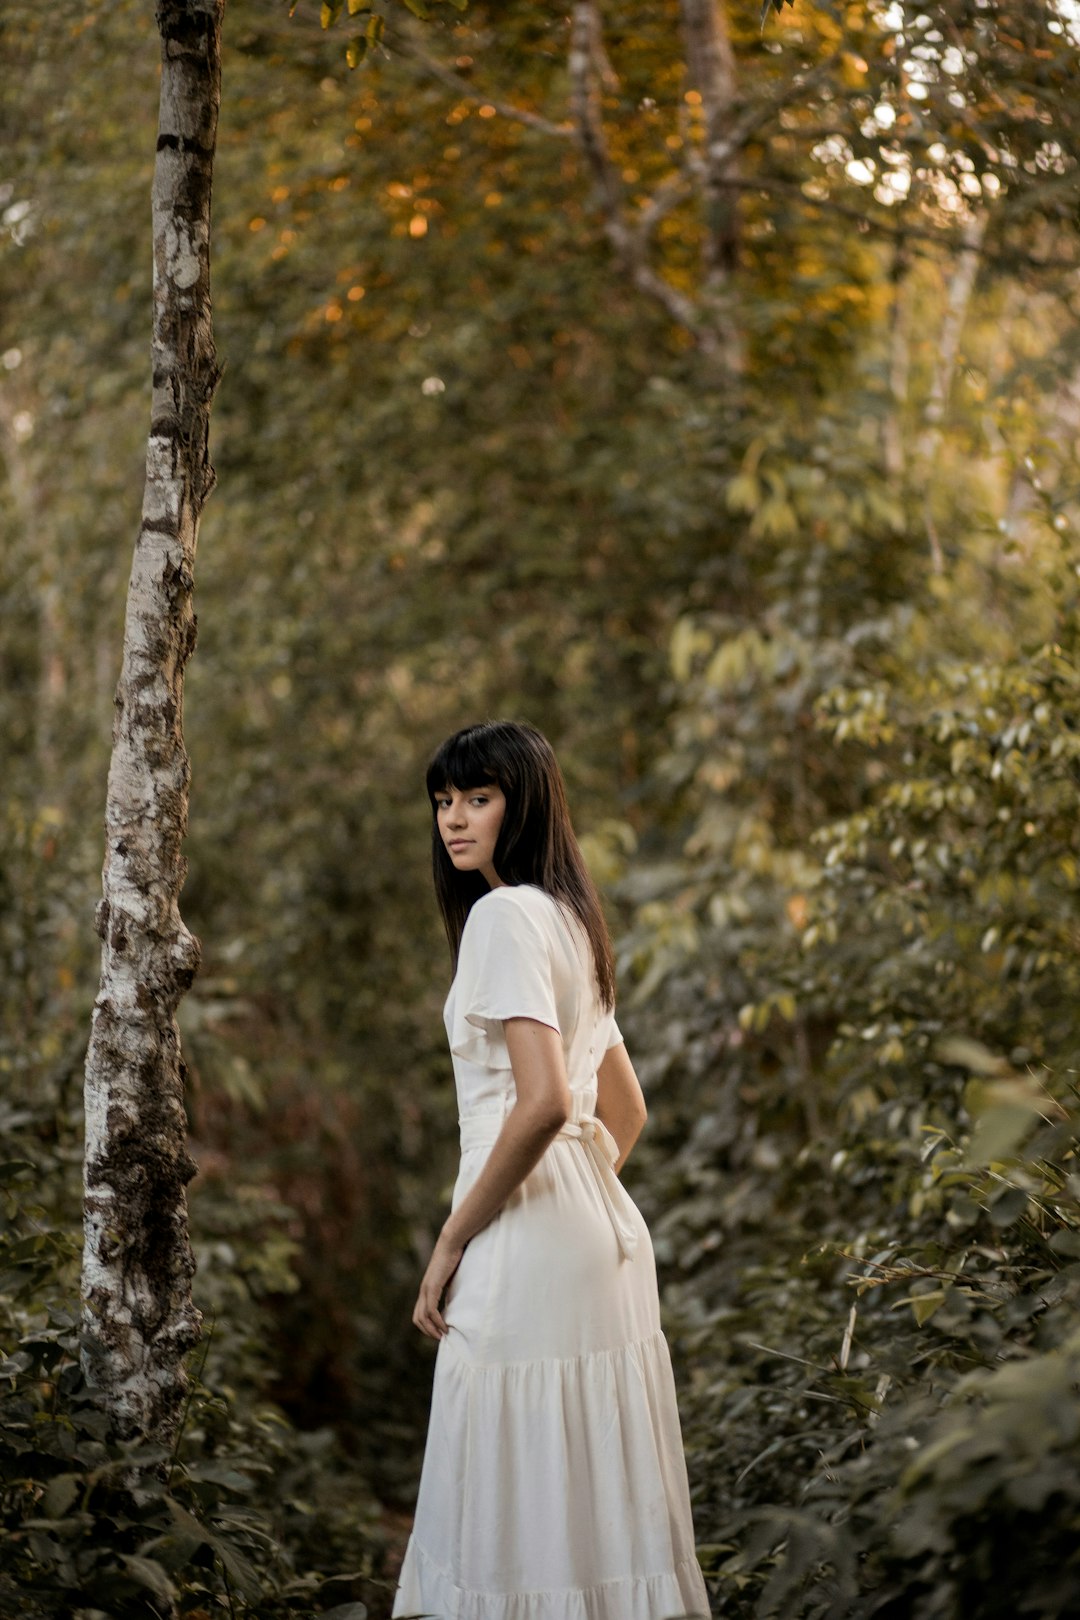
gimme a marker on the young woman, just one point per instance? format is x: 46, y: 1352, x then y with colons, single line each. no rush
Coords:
x: 554, y: 1485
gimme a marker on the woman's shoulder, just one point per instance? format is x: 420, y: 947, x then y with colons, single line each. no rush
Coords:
x: 527, y: 896
x: 510, y: 906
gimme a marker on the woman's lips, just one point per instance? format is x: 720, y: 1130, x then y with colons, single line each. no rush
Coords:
x: 459, y: 843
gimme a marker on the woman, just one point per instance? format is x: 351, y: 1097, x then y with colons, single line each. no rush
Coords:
x: 554, y: 1485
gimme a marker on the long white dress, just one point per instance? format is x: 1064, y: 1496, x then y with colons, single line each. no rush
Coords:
x: 554, y: 1484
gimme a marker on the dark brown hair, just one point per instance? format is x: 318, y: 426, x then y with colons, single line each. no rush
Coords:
x: 536, y: 842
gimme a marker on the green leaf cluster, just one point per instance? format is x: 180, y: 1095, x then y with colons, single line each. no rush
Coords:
x: 242, y: 1515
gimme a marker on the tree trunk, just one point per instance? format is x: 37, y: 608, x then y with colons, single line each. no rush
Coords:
x: 710, y: 70
x: 139, y: 1320
x: 961, y: 285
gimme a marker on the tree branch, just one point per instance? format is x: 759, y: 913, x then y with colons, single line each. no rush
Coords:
x: 629, y: 241
x: 411, y: 53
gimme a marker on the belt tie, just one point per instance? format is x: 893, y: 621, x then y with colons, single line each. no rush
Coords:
x: 603, y: 1155
x: 601, y: 1152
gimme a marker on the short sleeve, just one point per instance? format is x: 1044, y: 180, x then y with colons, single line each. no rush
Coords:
x: 504, y: 971
x: 613, y: 1036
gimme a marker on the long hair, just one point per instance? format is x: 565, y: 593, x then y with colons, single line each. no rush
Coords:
x: 536, y: 842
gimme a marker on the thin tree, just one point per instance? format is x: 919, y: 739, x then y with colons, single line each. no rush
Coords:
x: 139, y: 1320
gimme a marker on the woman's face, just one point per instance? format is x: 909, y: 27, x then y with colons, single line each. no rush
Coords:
x: 469, y: 820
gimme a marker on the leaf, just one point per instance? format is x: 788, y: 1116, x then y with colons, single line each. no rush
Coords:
x: 330, y: 12
x: 999, y: 1133
x: 743, y: 493
x: 59, y: 1495
x: 1009, y: 1207
x: 150, y: 1574
x: 964, y: 1053
x: 356, y: 6
x: 923, y: 1306
x: 356, y: 50
x: 187, y: 1522
x: 14, y: 1167
x: 418, y: 8
x: 243, y: 1573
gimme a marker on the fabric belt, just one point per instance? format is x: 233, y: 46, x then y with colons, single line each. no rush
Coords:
x: 601, y: 1152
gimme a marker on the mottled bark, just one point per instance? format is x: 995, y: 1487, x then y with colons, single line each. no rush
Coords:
x: 139, y: 1319
x: 710, y: 70
x: 892, y: 426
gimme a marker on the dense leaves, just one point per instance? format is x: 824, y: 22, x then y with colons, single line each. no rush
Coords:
x: 753, y: 480
x: 244, y: 1514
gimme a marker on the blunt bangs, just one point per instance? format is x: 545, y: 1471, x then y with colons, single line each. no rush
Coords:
x: 536, y: 842
x: 463, y: 761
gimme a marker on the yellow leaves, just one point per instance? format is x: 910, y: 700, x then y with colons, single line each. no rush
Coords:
x: 756, y: 1017
x: 687, y: 642
x: 606, y: 848
x: 924, y: 1305
x: 743, y: 493
x: 734, y: 658
x: 853, y: 69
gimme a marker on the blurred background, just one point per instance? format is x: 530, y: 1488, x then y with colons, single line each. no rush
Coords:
x: 737, y: 448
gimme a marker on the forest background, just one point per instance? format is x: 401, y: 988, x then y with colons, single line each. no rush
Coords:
x: 719, y: 413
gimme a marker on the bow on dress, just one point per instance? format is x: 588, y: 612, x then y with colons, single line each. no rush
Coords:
x: 603, y: 1152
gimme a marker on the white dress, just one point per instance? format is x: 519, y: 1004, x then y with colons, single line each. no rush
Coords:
x: 554, y: 1484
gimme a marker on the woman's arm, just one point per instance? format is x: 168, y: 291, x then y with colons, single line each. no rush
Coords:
x: 619, y: 1102
x: 539, y: 1113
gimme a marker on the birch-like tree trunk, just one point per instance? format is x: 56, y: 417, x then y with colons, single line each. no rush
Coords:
x: 139, y: 1320
x: 961, y: 285
x: 710, y: 70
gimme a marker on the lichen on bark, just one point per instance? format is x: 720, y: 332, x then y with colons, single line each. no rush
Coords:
x: 139, y: 1318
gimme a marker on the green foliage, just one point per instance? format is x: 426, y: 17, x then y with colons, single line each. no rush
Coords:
x: 244, y: 1516
x: 872, y: 1226
x: 466, y: 466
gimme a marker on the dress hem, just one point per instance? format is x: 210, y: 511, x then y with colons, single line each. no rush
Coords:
x: 624, y: 1597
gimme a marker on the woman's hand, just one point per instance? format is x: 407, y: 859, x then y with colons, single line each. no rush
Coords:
x: 541, y: 1108
x: 445, y: 1259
